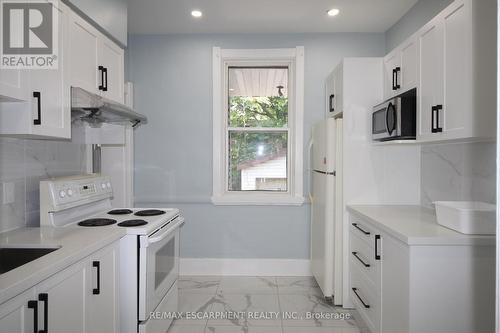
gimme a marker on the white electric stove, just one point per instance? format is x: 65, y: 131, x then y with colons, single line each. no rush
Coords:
x: 149, y: 251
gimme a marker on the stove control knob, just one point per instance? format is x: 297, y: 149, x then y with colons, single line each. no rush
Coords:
x: 108, y: 185
x: 62, y: 194
x: 70, y: 192
x: 103, y: 186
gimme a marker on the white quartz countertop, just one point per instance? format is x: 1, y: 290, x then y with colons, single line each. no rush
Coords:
x: 75, y: 244
x: 415, y: 225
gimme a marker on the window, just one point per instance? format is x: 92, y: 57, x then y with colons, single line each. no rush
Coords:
x: 257, y: 114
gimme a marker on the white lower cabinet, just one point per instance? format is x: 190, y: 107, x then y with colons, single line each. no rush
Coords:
x: 83, y: 298
x: 18, y: 314
x: 437, y: 288
x: 103, y: 292
x: 61, y: 301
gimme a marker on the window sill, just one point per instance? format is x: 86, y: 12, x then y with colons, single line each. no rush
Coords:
x: 257, y: 200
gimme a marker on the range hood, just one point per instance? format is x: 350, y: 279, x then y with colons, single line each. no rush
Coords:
x: 96, y: 110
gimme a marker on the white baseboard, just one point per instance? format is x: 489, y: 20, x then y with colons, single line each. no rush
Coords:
x: 245, y: 267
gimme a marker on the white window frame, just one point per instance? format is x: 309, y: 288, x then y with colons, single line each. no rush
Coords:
x: 294, y: 59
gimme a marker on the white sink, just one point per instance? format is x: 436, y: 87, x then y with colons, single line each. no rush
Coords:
x: 467, y: 217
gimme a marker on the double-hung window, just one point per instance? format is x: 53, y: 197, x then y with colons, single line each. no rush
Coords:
x: 257, y: 124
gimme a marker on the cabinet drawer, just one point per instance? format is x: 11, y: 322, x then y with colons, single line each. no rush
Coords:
x: 363, y: 257
x: 363, y: 230
x: 366, y: 300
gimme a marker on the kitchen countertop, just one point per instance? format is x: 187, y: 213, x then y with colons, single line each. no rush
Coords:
x: 415, y: 225
x: 76, y: 244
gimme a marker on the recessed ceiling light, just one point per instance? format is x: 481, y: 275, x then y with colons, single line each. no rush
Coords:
x: 333, y: 12
x: 196, y: 13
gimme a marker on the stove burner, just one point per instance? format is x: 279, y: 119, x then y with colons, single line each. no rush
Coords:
x: 149, y: 212
x: 132, y: 223
x: 96, y: 222
x: 120, y: 212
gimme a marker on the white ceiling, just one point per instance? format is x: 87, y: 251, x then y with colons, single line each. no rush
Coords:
x: 264, y: 16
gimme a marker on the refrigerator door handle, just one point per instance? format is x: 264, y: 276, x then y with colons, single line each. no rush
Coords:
x: 310, y: 171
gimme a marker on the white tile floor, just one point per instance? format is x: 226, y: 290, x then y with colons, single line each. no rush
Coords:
x: 261, y: 296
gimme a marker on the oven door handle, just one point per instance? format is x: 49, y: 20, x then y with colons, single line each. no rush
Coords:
x: 168, y: 231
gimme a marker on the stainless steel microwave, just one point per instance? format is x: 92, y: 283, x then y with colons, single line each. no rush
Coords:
x: 396, y: 119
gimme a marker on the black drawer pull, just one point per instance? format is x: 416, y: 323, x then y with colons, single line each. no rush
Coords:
x: 101, y: 70
x: 367, y: 306
x: 398, y: 70
x: 332, y: 108
x: 38, y: 96
x: 355, y: 225
x: 394, y: 79
x: 105, y: 87
x: 97, y: 264
x: 34, y: 305
x: 45, y: 299
x: 377, y: 255
x: 355, y: 254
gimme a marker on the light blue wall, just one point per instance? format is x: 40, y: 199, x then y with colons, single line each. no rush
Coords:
x: 109, y: 15
x: 173, y: 152
x: 414, y: 19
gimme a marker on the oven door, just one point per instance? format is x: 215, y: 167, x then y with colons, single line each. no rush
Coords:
x: 158, y: 266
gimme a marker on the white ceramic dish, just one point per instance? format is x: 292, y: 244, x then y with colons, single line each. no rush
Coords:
x: 467, y: 217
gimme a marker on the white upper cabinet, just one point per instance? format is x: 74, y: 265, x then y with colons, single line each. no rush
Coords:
x: 392, y: 64
x: 46, y: 113
x: 334, y: 92
x: 37, y: 103
x: 83, y: 45
x: 431, y: 77
x: 97, y: 63
x: 400, y: 69
x: 13, y: 85
x: 408, y: 76
x: 457, y: 73
x: 452, y: 63
x: 111, y: 59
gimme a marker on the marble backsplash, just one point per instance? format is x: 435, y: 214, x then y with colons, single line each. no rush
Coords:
x: 24, y: 163
x: 458, y: 172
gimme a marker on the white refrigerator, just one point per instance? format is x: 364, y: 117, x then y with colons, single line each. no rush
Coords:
x: 326, y: 208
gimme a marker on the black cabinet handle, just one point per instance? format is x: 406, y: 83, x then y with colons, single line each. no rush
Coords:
x: 397, y: 85
x: 360, y: 299
x: 97, y: 264
x: 438, y: 128
x: 435, y: 119
x: 45, y: 299
x: 355, y: 225
x: 105, y: 83
x: 394, y: 79
x: 38, y: 96
x: 332, y: 108
x: 377, y: 239
x: 34, y: 305
x: 355, y: 254
x: 101, y: 70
